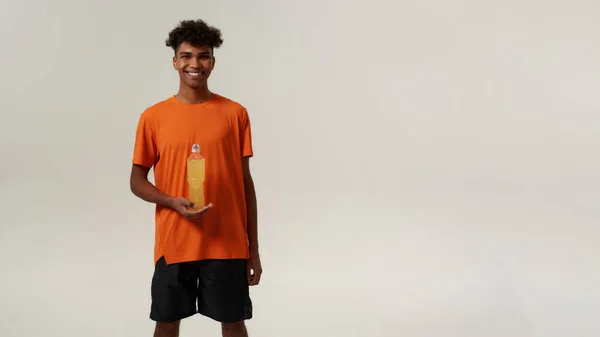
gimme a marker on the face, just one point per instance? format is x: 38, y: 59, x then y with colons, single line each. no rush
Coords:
x: 194, y: 64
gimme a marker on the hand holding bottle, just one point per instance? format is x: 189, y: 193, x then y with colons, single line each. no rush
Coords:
x: 187, y: 208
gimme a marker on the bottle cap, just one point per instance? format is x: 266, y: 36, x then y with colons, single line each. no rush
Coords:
x: 195, y: 148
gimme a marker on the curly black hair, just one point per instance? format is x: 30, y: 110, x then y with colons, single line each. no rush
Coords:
x: 195, y: 32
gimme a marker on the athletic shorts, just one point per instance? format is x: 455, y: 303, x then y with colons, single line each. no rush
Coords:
x: 217, y: 289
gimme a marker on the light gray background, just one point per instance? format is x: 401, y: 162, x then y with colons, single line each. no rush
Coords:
x: 424, y: 168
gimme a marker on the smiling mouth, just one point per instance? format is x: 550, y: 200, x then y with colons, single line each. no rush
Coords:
x: 194, y: 74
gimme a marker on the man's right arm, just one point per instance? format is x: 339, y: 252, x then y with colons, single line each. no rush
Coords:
x: 144, y: 155
x: 144, y: 189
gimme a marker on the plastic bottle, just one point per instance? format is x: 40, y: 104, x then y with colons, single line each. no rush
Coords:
x: 196, y: 176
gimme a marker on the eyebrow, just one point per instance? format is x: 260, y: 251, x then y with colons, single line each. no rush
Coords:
x: 190, y: 53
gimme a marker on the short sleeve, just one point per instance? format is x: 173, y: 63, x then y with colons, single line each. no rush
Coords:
x: 145, y: 150
x: 246, y: 135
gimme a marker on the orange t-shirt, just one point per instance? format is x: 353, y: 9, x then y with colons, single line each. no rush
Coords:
x: 165, y: 134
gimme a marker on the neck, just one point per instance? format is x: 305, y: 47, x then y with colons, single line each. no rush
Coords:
x: 190, y: 95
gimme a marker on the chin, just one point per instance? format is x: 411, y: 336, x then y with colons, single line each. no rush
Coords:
x: 195, y: 85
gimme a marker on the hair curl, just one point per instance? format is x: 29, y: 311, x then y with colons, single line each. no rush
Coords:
x: 196, y: 33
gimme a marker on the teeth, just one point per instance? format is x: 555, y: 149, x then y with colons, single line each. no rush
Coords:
x: 195, y: 74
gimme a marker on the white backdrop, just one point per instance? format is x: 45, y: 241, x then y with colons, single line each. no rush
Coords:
x: 423, y: 169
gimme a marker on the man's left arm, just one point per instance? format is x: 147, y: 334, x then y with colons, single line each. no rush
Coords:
x: 254, y: 265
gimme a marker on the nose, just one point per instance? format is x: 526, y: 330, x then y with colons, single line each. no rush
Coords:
x: 194, y: 63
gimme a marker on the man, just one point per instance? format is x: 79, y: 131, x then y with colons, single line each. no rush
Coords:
x: 207, y: 257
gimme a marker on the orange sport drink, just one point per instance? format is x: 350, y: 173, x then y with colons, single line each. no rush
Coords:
x: 195, y: 177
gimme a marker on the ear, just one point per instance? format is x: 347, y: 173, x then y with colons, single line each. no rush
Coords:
x: 175, y: 62
x: 214, y: 60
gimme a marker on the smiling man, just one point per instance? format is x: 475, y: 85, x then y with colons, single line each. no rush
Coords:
x: 205, y: 259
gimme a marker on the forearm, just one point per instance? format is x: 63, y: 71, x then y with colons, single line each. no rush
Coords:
x: 252, y: 216
x: 145, y: 190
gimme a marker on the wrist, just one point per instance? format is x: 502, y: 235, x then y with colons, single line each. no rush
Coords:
x: 168, y: 201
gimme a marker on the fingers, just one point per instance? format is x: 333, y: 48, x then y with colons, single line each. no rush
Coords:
x: 198, y: 213
x: 253, y: 275
x: 189, y: 204
x: 182, y: 205
x: 255, y: 278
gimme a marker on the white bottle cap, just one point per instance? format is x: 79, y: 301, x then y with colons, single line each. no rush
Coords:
x: 195, y: 148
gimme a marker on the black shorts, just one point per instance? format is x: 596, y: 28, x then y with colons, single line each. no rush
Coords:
x: 217, y: 289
